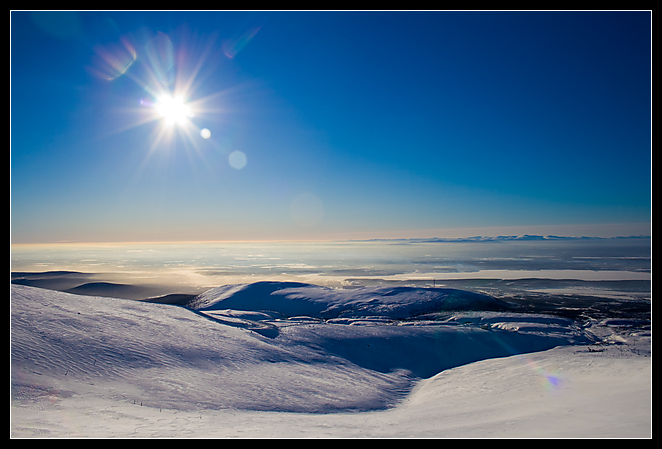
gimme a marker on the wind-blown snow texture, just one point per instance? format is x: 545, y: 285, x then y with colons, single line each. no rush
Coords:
x: 261, y: 347
x: 251, y: 360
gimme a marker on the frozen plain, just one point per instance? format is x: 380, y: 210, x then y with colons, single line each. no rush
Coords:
x: 321, y: 363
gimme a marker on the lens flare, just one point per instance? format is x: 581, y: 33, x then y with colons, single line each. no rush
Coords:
x: 160, y: 54
x: 113, y: 60
x: 237, y: 160
x: 171, y: 70
x: 234, y: 46
x: 550, y: 380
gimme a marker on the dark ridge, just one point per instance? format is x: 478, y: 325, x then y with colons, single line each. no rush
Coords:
x: 175, y: 299
x: 580, y: 307
x: 108, y: 289
x: 41, y: 274
x: 50, y: 280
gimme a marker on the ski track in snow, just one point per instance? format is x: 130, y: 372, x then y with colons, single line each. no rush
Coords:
x: 264, y: 347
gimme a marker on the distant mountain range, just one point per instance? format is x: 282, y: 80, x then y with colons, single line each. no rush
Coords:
x: 502, y: 238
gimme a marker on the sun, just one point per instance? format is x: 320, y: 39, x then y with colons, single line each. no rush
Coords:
x: 169, y: 82
x: 173, y: 109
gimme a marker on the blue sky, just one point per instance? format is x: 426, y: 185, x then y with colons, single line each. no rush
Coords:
x: 327, y: 124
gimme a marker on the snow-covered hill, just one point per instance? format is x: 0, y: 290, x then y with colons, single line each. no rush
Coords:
x: 289, y: 299
x: 85, y: 365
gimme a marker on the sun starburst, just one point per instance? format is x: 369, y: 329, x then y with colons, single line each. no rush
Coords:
x: 173, y: 109
x: 169, y: 80
x: 178, y: 98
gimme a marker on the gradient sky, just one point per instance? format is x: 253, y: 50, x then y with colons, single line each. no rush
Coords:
x: 327, y: 124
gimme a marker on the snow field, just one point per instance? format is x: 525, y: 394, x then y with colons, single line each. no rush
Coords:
x: 89, y: 366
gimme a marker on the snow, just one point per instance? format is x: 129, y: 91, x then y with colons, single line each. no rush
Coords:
x: 293, y: 298
x: 277, y: 360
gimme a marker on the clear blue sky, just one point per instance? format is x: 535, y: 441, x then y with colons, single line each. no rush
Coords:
x: 326, y: 124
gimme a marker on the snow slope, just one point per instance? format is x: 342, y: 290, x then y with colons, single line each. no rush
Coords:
x: 91, y: 366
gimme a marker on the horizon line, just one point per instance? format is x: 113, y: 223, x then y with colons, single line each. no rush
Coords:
x: 431, y: 239
x: 586, y: 230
